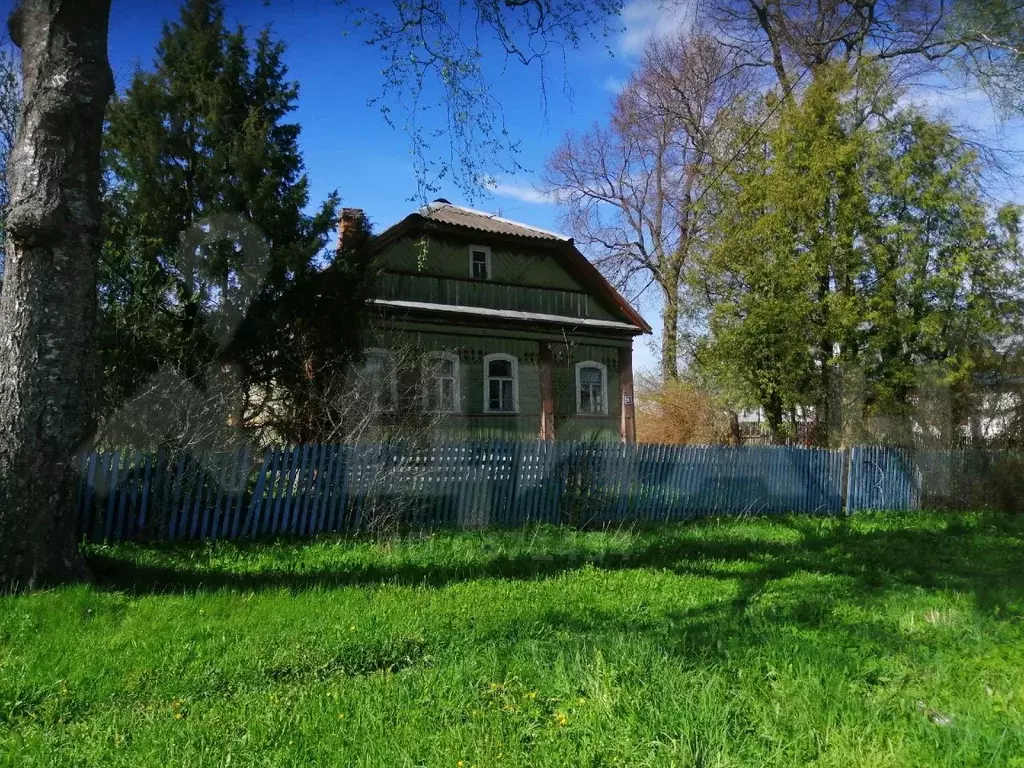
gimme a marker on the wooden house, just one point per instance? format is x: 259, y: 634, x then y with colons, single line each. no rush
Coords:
x: 517, y: 334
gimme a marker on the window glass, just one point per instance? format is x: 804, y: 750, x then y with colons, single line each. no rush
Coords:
x: 500, y: 388
x: 480, y: 265
x: 375, y: 383
x: 499, y: 368
x: 500, y: 395
x: 591, y: 394
x: 441, y: 385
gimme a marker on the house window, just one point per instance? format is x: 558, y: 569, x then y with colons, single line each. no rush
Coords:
x: 591, y: 388
x: 378, y: 385
x: 501, y: 384
x: 480, y: 262
x: 441, y: 382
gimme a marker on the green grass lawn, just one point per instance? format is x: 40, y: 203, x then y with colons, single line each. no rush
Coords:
x: 883, y: 640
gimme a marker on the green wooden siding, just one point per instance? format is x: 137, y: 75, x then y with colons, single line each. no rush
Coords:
x: 449, y: 258
x: 568, y: 424
x: 437, y: 269
x: 471, y: 350
x: 464, y: 293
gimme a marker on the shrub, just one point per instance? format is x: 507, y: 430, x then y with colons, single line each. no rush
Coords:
x: 677, y: 412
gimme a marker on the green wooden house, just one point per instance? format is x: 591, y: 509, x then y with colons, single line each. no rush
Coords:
x: 515, y: 333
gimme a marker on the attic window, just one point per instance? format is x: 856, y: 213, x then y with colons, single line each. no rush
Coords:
x: 480, y: 262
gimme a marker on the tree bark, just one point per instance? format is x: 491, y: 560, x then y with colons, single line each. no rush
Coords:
x: 670, y: 333
x: 48, y: 373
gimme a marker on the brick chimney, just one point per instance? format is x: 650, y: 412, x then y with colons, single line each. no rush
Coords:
x: 350, y: 222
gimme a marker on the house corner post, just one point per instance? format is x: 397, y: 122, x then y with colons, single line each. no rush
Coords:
x: 627, y: 428
x: 547, y: 392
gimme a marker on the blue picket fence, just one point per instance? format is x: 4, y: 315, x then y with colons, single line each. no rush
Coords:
x: 313, y: 489
x: 883, y: 478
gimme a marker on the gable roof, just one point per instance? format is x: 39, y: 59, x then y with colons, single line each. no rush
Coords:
x: 444, y: 215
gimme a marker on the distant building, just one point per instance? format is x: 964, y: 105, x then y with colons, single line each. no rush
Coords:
x: 753, y: 426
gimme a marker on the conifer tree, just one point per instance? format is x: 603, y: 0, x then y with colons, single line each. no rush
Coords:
x: 208, y: 236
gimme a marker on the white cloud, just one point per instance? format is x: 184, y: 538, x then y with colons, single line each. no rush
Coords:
x: 614, y: 84
x: 644, y: 19
x: 963, y: 106
x: 970, y: 104
x: 523, y: 192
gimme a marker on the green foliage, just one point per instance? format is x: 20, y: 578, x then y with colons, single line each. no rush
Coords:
x: 210, y: 257
x: 857, y: 260
x: 883, y: 640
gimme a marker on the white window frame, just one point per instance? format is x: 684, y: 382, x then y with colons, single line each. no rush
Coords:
x: 429, y: 379
x: 515, y: 381
x: 487, y: 256
x: 390, y: 372
x: 604, y: 385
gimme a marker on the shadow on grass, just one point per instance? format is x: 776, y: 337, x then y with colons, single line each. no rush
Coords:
x: 986, y: 560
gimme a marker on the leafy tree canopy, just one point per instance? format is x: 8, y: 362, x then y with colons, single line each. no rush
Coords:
x: 857, y: 259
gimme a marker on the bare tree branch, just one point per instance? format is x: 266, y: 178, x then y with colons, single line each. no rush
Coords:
x: 633, y: 192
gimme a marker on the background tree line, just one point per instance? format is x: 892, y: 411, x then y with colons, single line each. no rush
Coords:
x: 821, y: 246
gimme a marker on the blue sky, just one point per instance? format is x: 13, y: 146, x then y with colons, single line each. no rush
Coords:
x: 348, y: 147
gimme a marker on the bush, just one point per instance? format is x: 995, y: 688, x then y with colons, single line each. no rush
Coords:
x: 677, y: 412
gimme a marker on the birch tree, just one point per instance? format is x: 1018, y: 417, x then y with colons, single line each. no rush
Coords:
x: 48, y: 371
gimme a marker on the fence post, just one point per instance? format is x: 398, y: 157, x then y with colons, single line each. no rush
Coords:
x: 847, y: 455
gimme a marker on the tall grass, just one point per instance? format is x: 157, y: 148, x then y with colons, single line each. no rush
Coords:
x: 882, y: 640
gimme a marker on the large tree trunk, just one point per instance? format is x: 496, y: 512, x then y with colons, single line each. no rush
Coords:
x: 48, y: 373
x: 670, y: 334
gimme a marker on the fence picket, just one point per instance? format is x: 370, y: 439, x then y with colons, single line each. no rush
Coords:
x: 212, y: 512
x: 339, y: 504
x: 260, y: 494
x: 199, y: 473
x: 308, y: 484
x: 281, y: 485
x: 112, y: 494
x: 323, y: 474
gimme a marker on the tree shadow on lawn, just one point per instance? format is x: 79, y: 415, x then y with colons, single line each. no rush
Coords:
x: 986, y: 560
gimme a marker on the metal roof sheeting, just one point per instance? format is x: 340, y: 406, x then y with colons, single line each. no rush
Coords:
x: 445, y: 213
